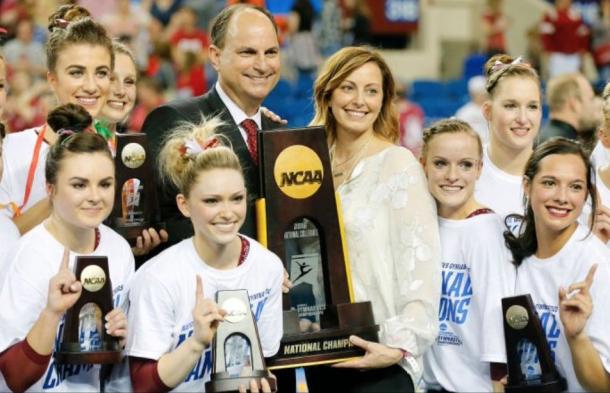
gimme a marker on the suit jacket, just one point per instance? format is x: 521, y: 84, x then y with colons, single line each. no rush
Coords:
x: 164, y: 119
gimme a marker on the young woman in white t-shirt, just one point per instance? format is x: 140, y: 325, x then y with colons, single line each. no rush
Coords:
x: 476, y: 267
x: 172, y: 315
x: 79, y: 62
x: 514, y: 112
x: 40, y: 285
x: 556, y: 257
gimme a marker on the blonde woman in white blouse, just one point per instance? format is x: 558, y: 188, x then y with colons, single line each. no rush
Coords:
x: 390, y: 223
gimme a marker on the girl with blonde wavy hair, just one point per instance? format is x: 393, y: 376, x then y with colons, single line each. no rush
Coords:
x: 173, y: 315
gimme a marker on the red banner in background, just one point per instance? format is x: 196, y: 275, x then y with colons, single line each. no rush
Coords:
x: 394, y: 16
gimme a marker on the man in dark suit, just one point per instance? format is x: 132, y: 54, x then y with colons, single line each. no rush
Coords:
x: 245, y: 53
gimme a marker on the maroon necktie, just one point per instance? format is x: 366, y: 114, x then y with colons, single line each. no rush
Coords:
x: 251, y: 130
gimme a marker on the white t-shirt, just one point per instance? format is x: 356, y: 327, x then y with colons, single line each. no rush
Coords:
x: 162, y: 297
x: 599, y: 156
x: 602, y: 191
x: 499, y: 191
x: 9, y: 234
x: 17, y: 154
x: 542, y: 278
x: 477, y: 274
x: 36, y: 259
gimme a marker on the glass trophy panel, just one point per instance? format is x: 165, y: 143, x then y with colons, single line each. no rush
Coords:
x: 530, y: 363
x: 89, y: 327
x: 238, y: 355
x: 132, y: 203
x: 304, y: 265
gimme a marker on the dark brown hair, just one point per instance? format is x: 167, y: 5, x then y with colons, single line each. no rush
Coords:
x: 69, y: 116
x: 73, y: 120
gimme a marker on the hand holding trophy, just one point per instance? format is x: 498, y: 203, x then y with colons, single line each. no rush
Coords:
x: 84, y: 340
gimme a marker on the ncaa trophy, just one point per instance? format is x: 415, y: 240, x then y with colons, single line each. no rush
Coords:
x: 298, y: 218
x: 135, y: 198
x: 84, y: 339
x: 525, y: 339
x: 236, y: 348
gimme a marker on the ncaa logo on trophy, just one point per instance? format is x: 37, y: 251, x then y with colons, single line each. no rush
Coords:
x: 298, y: 179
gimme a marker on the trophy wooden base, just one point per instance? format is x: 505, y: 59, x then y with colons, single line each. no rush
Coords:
x: 222, y: 382
x: 329, y: 345
x: 538, y: 386
x: 99, y: 357
x: 131, y: 232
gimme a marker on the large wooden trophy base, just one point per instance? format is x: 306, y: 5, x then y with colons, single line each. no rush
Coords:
x: 299, y: 219
x: 100, y: 357
x: 538, y: 386
x: 521, y: 322
x: 329, y: 345
x: 92, y: 272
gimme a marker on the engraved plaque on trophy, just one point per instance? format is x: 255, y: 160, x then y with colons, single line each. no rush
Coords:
x: 84, y: 338
x: 529, y: 359
x: 236, y: 349
x: 298, y: 218
x: 135, y: 200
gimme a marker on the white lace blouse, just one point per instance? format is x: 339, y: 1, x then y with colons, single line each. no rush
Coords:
x: 394, y: 249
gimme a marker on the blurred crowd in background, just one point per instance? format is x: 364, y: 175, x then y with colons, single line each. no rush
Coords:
x: 170, y: 40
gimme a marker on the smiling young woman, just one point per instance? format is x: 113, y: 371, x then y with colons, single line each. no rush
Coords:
x: 514, y: 113
x: 79, y: 62
x: 473, y: 255
x: 172, y: 316
x: 79, y: 173
x: 122, y: 93
x: 552, y: 251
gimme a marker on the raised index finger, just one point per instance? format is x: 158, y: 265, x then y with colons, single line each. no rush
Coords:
x: 199, y: 290
x: 591, y: 275
x: 65, y: 260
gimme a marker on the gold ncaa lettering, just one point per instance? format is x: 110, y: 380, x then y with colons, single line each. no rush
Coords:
x: 298, y: 171
x: 93, y: 278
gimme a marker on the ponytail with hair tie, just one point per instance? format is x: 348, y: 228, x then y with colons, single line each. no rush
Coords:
x: 193, y: 147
